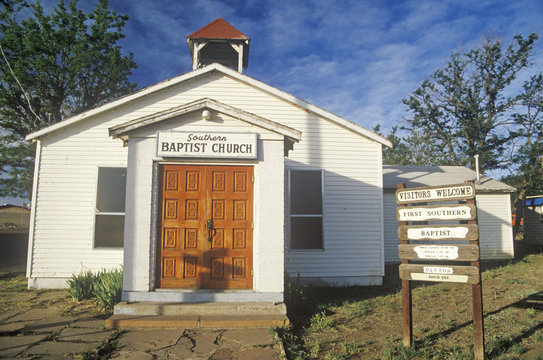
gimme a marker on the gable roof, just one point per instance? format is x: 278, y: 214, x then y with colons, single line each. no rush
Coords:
x: 201, y: 72
x: 218, y: 29
x: 120, y: 130
x: 11, y: 206
x: 415, y: 176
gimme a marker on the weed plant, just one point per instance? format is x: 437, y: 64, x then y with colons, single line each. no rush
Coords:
x: 81, y: 286
x: 108, y: 288
x: 104, y: 287
x: 320, y: 322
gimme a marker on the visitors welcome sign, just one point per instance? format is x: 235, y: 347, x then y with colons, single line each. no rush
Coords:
x: 436, y: 193
x: 223, y: 145
x: 467, y: 231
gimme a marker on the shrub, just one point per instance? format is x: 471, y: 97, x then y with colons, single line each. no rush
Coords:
x: 108, y: 288
x: 105, y: 287
x: 81, y: 286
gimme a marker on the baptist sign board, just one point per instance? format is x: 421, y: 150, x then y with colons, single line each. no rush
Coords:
x: 184, y: 144
x: 438, y: 232
x: 443, y: 252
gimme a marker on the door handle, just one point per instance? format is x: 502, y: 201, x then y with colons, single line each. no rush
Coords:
x: 210, y: 230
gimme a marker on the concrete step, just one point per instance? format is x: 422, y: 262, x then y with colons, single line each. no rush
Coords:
x: 209, y: 308
x: 198, y: 315
x: 196, y: 321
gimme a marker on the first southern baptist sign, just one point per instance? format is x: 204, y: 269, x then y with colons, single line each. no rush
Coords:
x: 206, y: 145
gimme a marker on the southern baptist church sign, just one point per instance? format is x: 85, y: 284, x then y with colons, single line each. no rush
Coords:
x: 206, y: 145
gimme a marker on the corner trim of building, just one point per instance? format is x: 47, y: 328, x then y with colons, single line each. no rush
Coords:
x: 34, y: 201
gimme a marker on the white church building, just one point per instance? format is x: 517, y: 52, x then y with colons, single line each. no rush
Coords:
x: 210, y: 186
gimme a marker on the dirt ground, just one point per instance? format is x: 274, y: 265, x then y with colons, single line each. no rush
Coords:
x: 329, y: 323
x: 366, y: 322
x: 49, y: 325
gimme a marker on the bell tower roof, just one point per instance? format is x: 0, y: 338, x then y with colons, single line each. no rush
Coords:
x: 219, y: 42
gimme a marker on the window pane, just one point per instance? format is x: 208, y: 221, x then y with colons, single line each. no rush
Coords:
x: 109, y: 231
x: 306, y: 233
x: 306, y: 192
x: 111, y: 190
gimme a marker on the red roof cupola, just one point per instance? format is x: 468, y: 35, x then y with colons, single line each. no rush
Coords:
x: 219, y: 42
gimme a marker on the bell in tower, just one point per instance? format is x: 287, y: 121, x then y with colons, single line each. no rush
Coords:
x: 219, y: 42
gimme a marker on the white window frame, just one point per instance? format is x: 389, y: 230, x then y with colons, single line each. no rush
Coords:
x: 97, y: 213
x: 290, y: 216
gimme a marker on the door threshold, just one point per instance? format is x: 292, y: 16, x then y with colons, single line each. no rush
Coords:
x: 202, y: 295
x: 205, y: 291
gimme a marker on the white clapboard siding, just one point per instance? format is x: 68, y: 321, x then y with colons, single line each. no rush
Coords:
x: 70, y: 157
x: 391, y: 227
x: 494, y: 219
x: 495, y: 230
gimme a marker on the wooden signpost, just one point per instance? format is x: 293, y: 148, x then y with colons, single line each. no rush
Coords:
x: 431, y: 246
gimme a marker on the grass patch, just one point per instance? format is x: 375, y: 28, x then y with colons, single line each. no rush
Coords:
x: 12, y: 282
x: 320, y: 322
x: 366, y: 321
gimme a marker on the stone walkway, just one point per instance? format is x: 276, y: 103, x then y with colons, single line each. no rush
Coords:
x: 49, y: 331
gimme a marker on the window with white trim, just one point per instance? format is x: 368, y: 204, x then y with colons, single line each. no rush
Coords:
x: 306, y: 191
x: 109, y: 218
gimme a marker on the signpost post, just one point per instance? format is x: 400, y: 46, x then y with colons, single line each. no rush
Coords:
x: 467, y: 231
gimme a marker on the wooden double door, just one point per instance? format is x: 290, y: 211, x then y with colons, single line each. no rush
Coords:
x: 206, y: 227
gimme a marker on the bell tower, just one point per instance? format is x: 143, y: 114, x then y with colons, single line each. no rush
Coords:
x: 219, y: 42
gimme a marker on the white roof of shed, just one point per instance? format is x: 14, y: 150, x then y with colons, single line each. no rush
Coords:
x: 200, y: 72
x: 415, y: 176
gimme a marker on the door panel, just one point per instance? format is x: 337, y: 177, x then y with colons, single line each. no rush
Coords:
x: 191, y: 255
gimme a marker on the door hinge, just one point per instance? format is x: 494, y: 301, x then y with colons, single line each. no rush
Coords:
x: 252, y: 272
x: 252, y: 225
x: 253, y: 178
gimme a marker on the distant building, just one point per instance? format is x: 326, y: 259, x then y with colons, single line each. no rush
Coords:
x: 14, y: 217
x: 533, y: 220
x: 14, y: 221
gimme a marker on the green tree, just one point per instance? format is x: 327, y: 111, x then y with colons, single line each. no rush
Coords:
x: 463, y: 109
x: 412, y: 149
x: 527, y: 176
x: 529, y: 119
x: 53, y: 66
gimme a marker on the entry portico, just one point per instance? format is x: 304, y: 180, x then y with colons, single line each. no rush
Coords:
x: 204, y: 223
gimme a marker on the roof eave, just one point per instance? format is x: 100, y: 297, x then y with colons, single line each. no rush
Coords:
x: 229, y: 72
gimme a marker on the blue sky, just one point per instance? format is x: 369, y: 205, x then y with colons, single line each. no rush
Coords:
x: 357, y: 59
